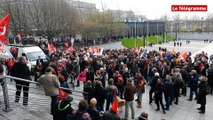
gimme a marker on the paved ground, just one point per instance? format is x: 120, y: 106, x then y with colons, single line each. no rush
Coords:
x: 38, y: 108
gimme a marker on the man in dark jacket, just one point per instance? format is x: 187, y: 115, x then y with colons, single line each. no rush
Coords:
x: 129, y: 93
x: 21, y: 70
x: 193, y: 84
x: 202, y: 93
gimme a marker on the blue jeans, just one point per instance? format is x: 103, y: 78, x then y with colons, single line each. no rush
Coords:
x: 54, y: 101
x: 129, y: 105
x: 191, y: 93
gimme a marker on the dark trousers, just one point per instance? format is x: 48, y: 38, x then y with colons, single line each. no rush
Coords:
x: 202, y: 107
x: 25, y: 93
x: 158, y: 101
x: 168, y: 100
x: 54, y: 101
x: 108, y: 102
x: 151, y: 91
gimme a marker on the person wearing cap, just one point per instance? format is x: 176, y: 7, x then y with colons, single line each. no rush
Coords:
x: 203, y: 89
x: 92, y: 110
x: 193, y: 84
x: 64, y: 109
x: 129, y: 93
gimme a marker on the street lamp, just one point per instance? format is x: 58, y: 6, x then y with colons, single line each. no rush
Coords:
x: 135, y: 35
x: 157, y: 32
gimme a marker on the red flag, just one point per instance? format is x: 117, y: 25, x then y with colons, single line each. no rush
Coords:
x: 4, y: 23
x: 183, y: 56
x: 70, y: 49
x: 19, y: 36
x: 66, y: 43
x: 114, y: 106
x: 51, y: 48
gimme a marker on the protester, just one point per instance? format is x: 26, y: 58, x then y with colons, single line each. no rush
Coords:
x: 140, y: 89
x: 159, y: 95
x: 143, y: 116
x: 51, y: 86
x: 64, y: 109
x: 92, y: 110
x: 129, y: 93
x: 193, y: 84
x: 100, y: 95
x: 203, y: 91
x: 21, y: 70
x: 111, y: 90
x: 81, y: 113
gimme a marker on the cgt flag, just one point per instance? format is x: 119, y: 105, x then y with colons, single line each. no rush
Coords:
x: 51, y: 48
x: 4, y: 23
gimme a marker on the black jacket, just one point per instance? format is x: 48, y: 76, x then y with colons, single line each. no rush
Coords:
x: 94, y: 114
x: 110, y: 115
x: 201, y: 99
x: 21, y: 70
x: 63, y: 111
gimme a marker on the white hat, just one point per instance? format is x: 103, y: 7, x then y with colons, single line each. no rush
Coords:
x: 157, y: 74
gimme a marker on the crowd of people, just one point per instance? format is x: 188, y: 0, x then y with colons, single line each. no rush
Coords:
x: 122, y: 73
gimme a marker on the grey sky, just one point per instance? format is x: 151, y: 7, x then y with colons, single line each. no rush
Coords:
x: 153, y: 9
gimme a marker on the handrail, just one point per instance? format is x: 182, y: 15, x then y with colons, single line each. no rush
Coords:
x: 25, y: 80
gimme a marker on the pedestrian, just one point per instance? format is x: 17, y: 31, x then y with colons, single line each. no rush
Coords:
x: 129, y: 93
x: 193, y: 84
x: 51, y: 86
x: 111, y: 90
x: 88, y: 91
x: 203, y: 91
x: 100, y: 95
x: 159, y: 95
x: 153, y: 86
x: 210, y: 76
x: 92, y: 110
x: 81, y: 113
x: 143, y: 116
x: 21, y: 70
x: 64, y: 109
x: 140, y: 89
x: 168, y: 91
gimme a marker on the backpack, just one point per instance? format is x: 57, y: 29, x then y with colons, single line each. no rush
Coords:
x: 120, y: 80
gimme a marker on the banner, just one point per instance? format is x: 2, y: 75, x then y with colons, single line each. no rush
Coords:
x: 4, y: 52
x: 4, y: 23
x: 95, y: 50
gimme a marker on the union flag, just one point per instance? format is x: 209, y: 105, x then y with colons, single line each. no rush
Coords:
x: 4, y: 23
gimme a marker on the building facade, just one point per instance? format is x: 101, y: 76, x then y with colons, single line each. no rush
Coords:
x: 137, y: 29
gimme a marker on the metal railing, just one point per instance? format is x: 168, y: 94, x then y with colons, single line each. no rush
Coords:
x: 36, y: 98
